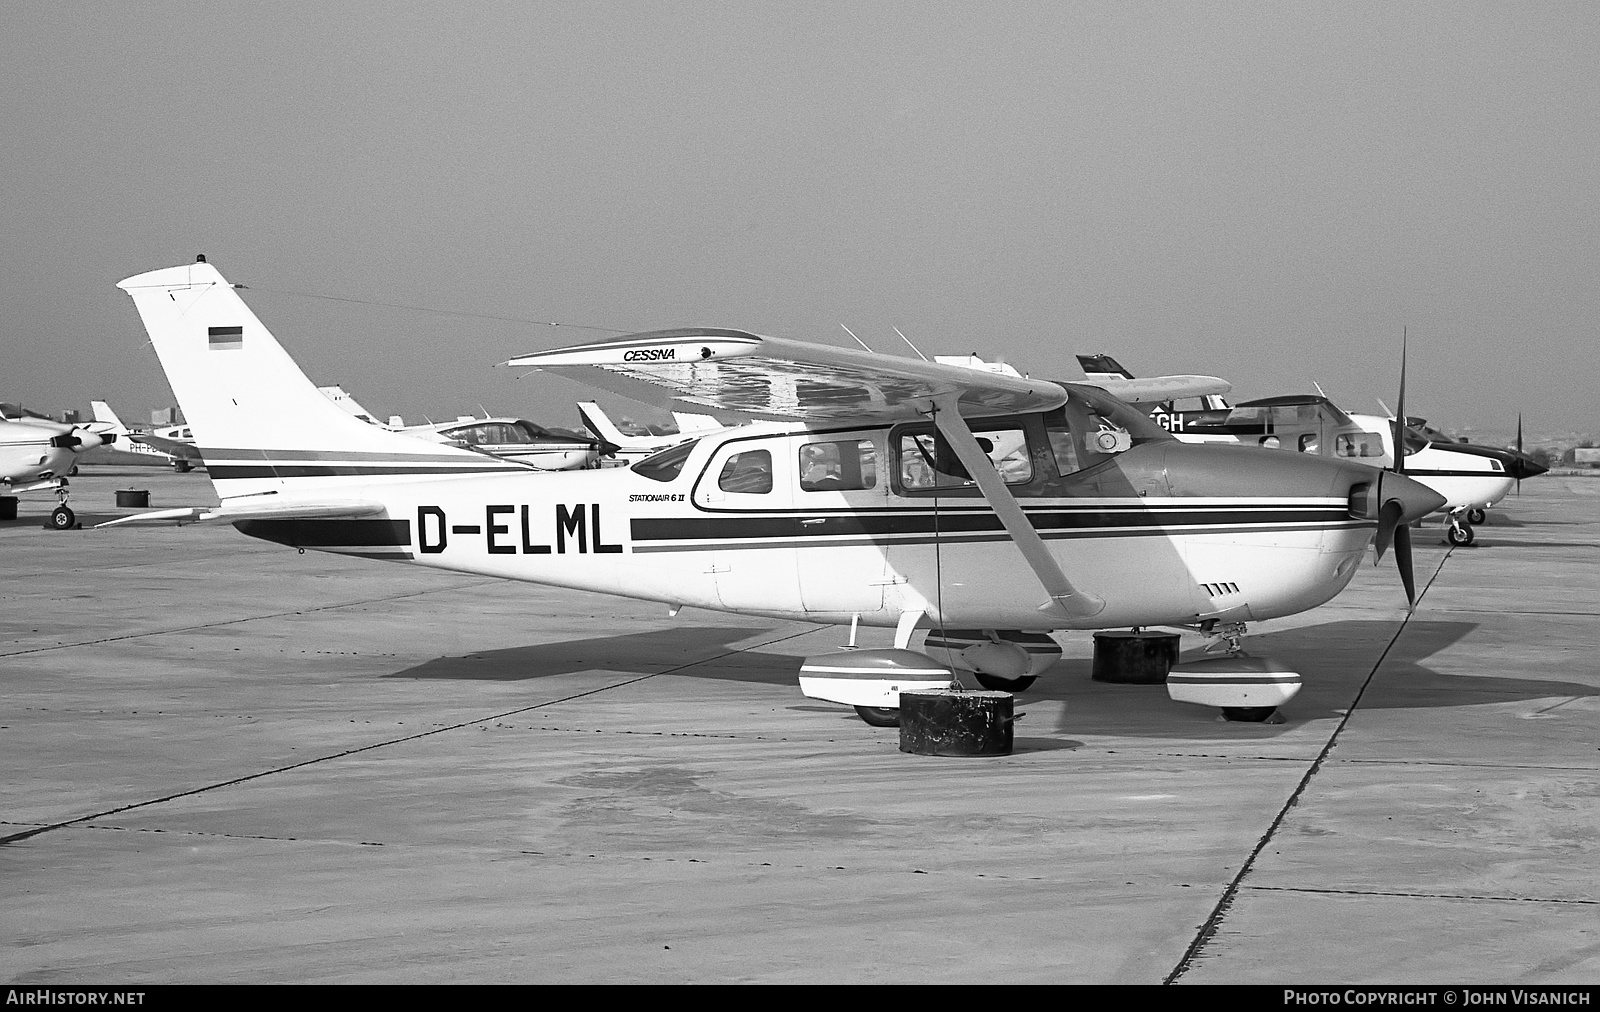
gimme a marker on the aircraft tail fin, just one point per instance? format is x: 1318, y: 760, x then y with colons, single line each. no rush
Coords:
x: 599, y: 423
x: 101, y: 411
x: 690, y: 423
x: 259, y: 423
x: 1098, y: 367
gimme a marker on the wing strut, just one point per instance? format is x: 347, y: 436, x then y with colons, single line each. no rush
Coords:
x: 1064, y: 597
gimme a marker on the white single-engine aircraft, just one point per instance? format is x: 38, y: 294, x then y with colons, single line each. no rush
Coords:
x: 631, y: 449
x: 881, y: 491
x: 36, y: 455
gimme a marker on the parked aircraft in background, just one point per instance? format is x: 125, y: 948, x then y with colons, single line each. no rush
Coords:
x: 880, y: 491
x: 626, y: 449
x: 515, y: 439
x: 36, y: 455
x: 511, y: 438
x: 1107, y: 373
x: 1471, y: 478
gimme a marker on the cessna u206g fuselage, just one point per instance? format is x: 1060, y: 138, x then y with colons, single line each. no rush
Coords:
x: 878, y: 490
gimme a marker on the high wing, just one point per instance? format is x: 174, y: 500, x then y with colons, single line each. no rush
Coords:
x: 1154, y: 389
x: 232, y: 512
x: 771, y: 377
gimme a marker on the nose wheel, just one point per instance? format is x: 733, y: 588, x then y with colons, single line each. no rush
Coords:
x: 1460, y: 534
x: 62, y: 518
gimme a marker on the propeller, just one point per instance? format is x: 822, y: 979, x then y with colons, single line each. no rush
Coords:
x: 1519, y: 453
x: 1400, y: 500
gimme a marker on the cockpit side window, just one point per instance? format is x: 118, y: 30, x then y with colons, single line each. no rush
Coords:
x: 749, y: 472
x: 928, y: 463
x: 1062, y: 446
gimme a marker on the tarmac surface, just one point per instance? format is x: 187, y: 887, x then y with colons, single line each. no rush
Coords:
x: 229, y: 762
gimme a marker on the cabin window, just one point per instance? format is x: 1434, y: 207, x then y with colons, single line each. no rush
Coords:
x: 928, y: 463
x: 843, y: 465
x: 749, y: 472
x: 666, y: 465
x: 1309, y: 443
x: 1358, y: 444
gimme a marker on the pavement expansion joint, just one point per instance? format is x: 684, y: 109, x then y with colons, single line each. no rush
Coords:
x: 1468, y: 765
x: 225, y: 622
x: 1221, y: 755
x: 1213, y: 923
x: 1424, y: 895
x: 656, y: 734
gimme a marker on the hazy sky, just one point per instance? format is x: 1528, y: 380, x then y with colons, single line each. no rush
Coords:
x: 1266, y: 192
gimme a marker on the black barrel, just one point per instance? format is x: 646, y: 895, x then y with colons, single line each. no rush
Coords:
x: 1134, y: 658
x: 8, y: 507
x: 133, y: 498
x: 955, y: 722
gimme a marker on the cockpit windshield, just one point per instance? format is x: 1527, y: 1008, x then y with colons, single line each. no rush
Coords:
x: 1130, y: 419
x: 666, y: 465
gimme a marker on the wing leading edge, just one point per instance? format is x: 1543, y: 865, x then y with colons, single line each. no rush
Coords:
x: 772, y: 377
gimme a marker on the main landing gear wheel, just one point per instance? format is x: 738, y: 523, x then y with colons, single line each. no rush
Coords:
x: 1460, y: 534
x: 1248, y: 714
x: 879, y: 716
x: 62, y: 518
x: 182, y: 466
x: 997, y: 684
x: 1477, y: 516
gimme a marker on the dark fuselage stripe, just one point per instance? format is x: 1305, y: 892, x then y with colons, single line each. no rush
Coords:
x: 905, y: 523
x: 995, y: 537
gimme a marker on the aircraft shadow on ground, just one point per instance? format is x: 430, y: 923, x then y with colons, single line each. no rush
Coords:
x: 696, y: 647
x: 1333, y: 660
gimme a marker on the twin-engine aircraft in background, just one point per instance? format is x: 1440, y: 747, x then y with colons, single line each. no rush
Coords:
x: 37, y: 455
x: 873, y: 491
x: 1471, y: 478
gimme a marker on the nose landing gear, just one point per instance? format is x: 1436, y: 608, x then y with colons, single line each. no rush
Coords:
x: 62, y: 518
x: 1459, y: 532
x: 1246, y: 689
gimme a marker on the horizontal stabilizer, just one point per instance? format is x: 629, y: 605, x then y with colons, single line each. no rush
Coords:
x: 231, y: 512
x: 1152, y: 389
x: 170, y: 447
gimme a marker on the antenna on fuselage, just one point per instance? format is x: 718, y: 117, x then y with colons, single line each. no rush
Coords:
x: 913, y: 347
x: 858, y: 340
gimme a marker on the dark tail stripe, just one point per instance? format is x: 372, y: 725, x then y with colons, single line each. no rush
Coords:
x: 338, y: 455
x: 331, y: 470
x: 330, y: 533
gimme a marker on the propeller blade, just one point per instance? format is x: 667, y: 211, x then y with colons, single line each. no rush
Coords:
x: 1400, y: 412
x: 1402, y: 562
x: 1388, y: 523
x: 1519, y: 453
